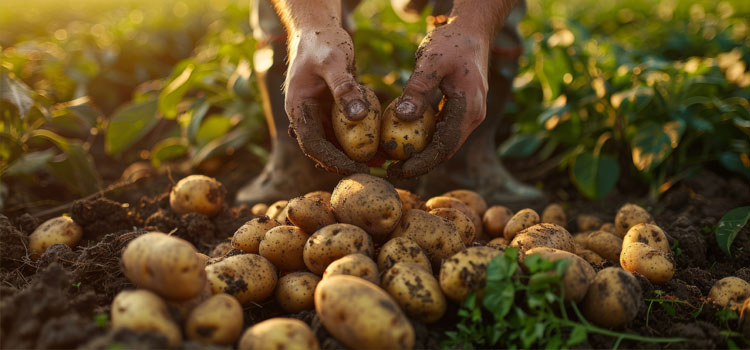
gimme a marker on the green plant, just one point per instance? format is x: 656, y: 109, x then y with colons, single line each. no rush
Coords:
x: 735, y: 340
x: 729, y: 226
x: 666, y: 303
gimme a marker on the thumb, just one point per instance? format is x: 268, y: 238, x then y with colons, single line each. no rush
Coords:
x: 348, y: 94
x: 412, y: 103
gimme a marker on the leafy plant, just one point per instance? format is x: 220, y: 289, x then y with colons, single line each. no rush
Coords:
x: 729, y: 226
x: 666, y: 303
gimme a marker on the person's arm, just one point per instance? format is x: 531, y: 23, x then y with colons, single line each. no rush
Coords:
x: 453, y: 57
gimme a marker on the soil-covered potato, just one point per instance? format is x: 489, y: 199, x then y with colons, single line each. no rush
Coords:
x: 630, y: 215
x: 590, y: 256
x: 523, y: 219
x: 164, y: 264
x: 729, y: 292
x: 358, y: 265
x: 309, y: 214
x: 259, y: 209
x: 498, y: 243
x: 409, y: 200
x: 333, y: 242
x: 471, y: 199
x: 283, y: 246
x: 247, y: 238
x: 605, y: 244
x: 415, y: 290
x: 587, y: 223
x: 143, y: 311
x: 450, y: 202
x: 61, y: 229
x: 279, y: 333
x: 361, y: 315
x: 466, y: 272
x: 197, y: 194
x: 544, y: 235
x: 400, y: 139
x: 578, y: 275
x: 247, y: 277
x: 324, y: 196
x: 649, y: 234
x: 640, y: 258
x: 613, y: 299
x: 184, y: 307
x: 438, y: 237
x: 358, y: 138
x: 495, y: 219
x: 275, y: 209
x: 554, y: 214
x: 464, y: 226
x: 608, y: 227
x: 368, y: 202
x: 295, y: 291
x: 217, y: 320
x: 402, y: 249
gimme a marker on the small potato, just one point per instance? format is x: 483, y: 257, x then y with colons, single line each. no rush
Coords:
x: 438, y: 237
x: 294, y: 292
x: 466, y: 272
x: 324, y: 196
x: 613, y: 299
x: 61, y: 229
x: 650, y: 235
x: 647, y: 261
x: 309, y: 214
x: 247, y: 238
x: 472, y: 199
x: 590, y: 257
x: 608, y: 227
x: 400, y: 139
x: 361, y: 315
x: 499, y: 242
x: 519, y: 222
x: 333, y: 242
x: 409, y: 200
x: 464, y: 226
x: 357, y: 265
x: 554, y: 214
x: 630, y: 215
x: 247, y: 277
x: 368, y: 202
x: 544, y: 235
x: 279, y: 333
x: 184, y: 307
x: 143, y: 311
x: 605, y: 244
x: 495, y: 219
x: 282, y: 246
x: 450, y: 202
x: 729, y: 292
x: 581, y: 238
x: 587, y: 223
x: 197, y: 194
x: 578, y: 276
x: 402, y: 249
x: 275, y: 209
x: 259, y: 209
x: 218, y: 320
x: 416, y: 291
x: 164, y: 264
x: 359, y: 139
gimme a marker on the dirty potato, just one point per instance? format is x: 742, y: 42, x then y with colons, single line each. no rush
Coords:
x: 247, y: 277
x: 402, y: 249
x: 197, y: 194
x: 523, y: 219
x: 544, y: 235
x: 590, y: 257
x: 438, y: 237
x: 358, y: 138
x: 729, y: 292
x: 324, y: 196
x: 450, y: 202
x: 218, y: 320
x: 279, y: 333
x: 577, y: 277
x: 649, y: 234
x: 61, y: 229
x: 415, y: 290
x: 333, y: 242
x: 647, y: 261
x: 358, y: 265
x: 309, y: 214
x: 409, y: 200
x: 294, y: 292
x: 143, y: 311
x: 368, y: 202
x: 498, y: 243
x: 472, y: 199
x: 466, y: 272
x: 247, y: 238
x: 608, y: 227
x: 605, y: 244
x: 630, y: 215
x: 282, y: 246
x: 613, y: 299
x: 495, y: 219
x: 554, y: 214
x: 259, y: 209
x: 463, y: 224
x: 400, y: 139
x: 275, y: 209
x: 586, y: 223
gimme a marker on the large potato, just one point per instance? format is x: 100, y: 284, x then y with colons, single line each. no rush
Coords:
x: 197, y: 194
x: 544, y: 235
x: 416, y: 290
x: 605, y: 244
x: 247, y: 277
x: 648, y: 234
x: 729, y: 292
x: 279, y: 334
x: 143, y: 311
x: 295, y: 291
x: 409, y: 200
x: 61, y: 229
x: 438, y: 237
x: 523, y: 219
x: 361, y: 315
x: 358, y: 138
x: 464, y: 226
x: 466, y: 272
x: 630, y: 215
x: 164, y: 264
x: 247, y: 238
x: 400, y: 139
x: 333, y: 242
x: 450, y: 202
x: 368, y: 202
x: 471, y: 199
x: 578, y: 276
x: 402, y: 249
x: 283, y: 246
x: 613, y: 299
x: 554, y: 214
x: 647, y: 261
x: 324, y: 196
x: 309, y: 214
x: 495, y: 219
x: 218, y: 320
x: 358, y: 265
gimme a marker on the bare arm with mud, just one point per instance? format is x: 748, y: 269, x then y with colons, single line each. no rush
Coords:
x: 454, y: 58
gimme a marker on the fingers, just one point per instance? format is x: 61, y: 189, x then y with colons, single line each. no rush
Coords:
x: 412, y: 103
x: 347, y: 93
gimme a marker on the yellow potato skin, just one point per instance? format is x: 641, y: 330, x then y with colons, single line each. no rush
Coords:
x: 647, y: 261
x: 437, y: 237
x: 544, y: 235
x: 247, y: 277
x: 463, y: 224
x: 359, y: 139
x: 729, y: 292
x: 197, y: 194
x: 358, y: 265
x: 577, y: 277
x: 402, y: 249
x: 369, y: 202
x: 294, y: 292
x: 649, y: 234
x: 409, y: 200
x: 324, y: 196
x: 259, y: 209
x: 495, y: 219
x: 554, y: 214
x: 605, y: 244
x: 522, y: 220
x: 167, y: 265
x: 369, y: 319
x: 247, y: 238
x: 630, y: 215
x: 450, y: 202
x: 279, y: 333
x: 471, y: 199
x: 416, y: 291
x: 498, y: 243
x: 275, y: 210
x: 333, y: 242
x: 613, y: 299
x: 61, y: 229
x: 466, y: 272
x: 218, y: 320
x: 309, y: 214
x: 401, y: 139
x: 590, y: 257
x: 144, y: 311
x: 282, y: 246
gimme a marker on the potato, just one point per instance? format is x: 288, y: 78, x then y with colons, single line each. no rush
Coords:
x: 361, y: 315
x: 247, y: 277
x: 729, y: 292
x: 464, y: 226
x: 359, y: 139
x: 282, y: 246
x: 466, y: 272
x: 247, y: 238
x: 544, y: 235
x: 581, y: 238
x: 590, y: 257
x: 275, y: 209
x: 325, y: 196
x: 358, y: 265
x: 294, y: 292
x: 143, y: 311
x: 197, y: 194
x: 554, y: 214
x: 400, y: 139
x: 218, y: 320
x: 650, y: 235
x: 605, y: 244
x: 259, y: 209
x: 309, y: 214
x: 495, y: 219
x: 472, y: 199
x: 402, y: 249
x: 613, y: 299
x: 279, y: 333
x: 630, y: 215
x: 608, y: 227
x: 587, y: 223
x: 519, y: 222
x: 499, y: 242
x: 450, y: 202
x: 578, y: 276
x: 164, y: 264
x: 409, y: 200
x: 438, y: 237
x: 415, y: 290
x: 333, y: 242
x: 368, y: 202
x: 647, y: 261
x: 184, y: 307
x: 61, y: 229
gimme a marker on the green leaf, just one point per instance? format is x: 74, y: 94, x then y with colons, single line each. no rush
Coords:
x: 232, y: 140
x: 520, y: 145
x: 30, y: 163
x: 197, y: 112
x: 594, y: 175
x: 732, y: 162
x: 167, y: 149
x: 653, y: 143
x: 212, y: 128
x: 499, y: 298
x: 16, y: 92
x: 577, y: 335
x: 729, y: 226
x: 172, y: 94
x: 75, y: 170
x: 129, y: 124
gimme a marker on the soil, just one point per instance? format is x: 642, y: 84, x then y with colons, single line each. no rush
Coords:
x: 60, y: 300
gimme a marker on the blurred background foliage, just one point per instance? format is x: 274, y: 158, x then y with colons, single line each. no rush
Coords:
x: 608, y: 91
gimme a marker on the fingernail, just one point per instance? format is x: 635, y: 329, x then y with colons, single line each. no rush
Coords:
x: 355, y: 108
x: 406, y: 107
